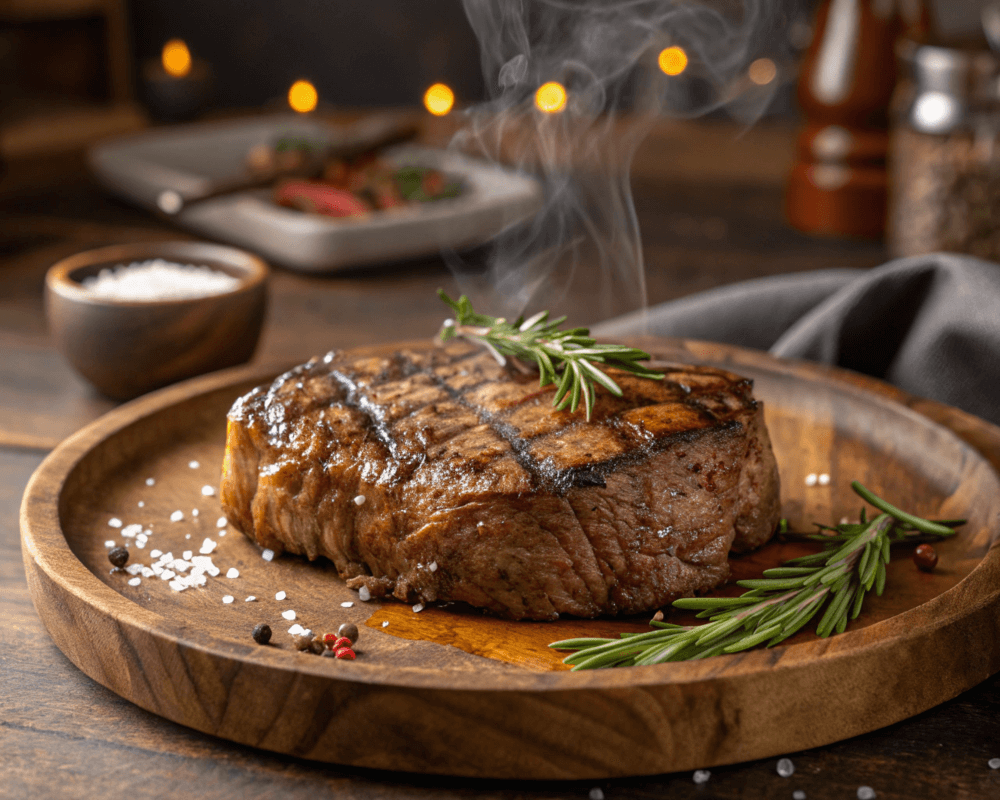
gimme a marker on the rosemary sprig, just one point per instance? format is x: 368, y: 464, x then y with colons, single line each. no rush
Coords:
x: 777, y: 606
x: 570, y: 359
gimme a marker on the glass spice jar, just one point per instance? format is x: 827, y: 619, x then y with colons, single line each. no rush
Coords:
x: 944, y: 161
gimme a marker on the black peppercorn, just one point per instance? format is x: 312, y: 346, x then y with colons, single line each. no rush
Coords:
x: 118, y: 556
x: 350, y: 630
x: 261, y: 633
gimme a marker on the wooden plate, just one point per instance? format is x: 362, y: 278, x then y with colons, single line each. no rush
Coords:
x: 410, y: 702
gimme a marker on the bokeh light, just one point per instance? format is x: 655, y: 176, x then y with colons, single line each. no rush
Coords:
x: 762, y: 71
x: 439, y: 99
x: 302, y: 97
x: 550, y: 97
x: 176, y: 58
x: 673, y: 60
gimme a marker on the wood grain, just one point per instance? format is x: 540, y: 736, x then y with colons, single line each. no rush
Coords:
x: 421, y: 706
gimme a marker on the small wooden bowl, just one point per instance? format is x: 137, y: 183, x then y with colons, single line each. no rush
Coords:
x: 126, y: 348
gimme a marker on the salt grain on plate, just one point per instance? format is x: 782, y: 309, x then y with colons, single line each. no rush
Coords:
x: 147, y: 572
x: 193, y: 464
x: 267, y: 555
x: 701, y: 776
x: 134, y: 581
x: 250, y: 599
x: 233, y: 573
x: 188, y: 536
x: 418, y: 608
x: 385, y: 624
x: 433, y: 566
x: 155, y: 553
x: 798, y: 794
x: 114, y: 522
x: 347, y: 605
x: 296, y: 629
x: 186, y: 555
x: 207, y: 547
x: 133, y: 569
x: 177, y: 516
x: 359, y: 500
x: 786, y: 768
x: 289, y: 615
x: 141, y: 504
x: 150, y: 481
x: 194, y: 512
x: 228, y: 599
x: 221, y: 522
x: 596, y: 793
x: 131, y: 530
x: 364, y: 595
x: 824, y: 479
x: 994, y: 763
x: 167, y: 575
x: 140, y: 545
x: 280, y: 596
x: 158, y: 279
x: 866, y: 793
x: 207, y: 490
x: 109, y: 543
x: 811, y: 479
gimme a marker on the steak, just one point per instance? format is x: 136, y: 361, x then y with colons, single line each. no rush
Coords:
x: 436, y: 474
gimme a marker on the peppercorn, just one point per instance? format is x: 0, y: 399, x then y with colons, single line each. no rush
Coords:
x: 350, y: 630
x: 118, y: 556
x: 303, y: 641
x: 343, y: 652
x: 261, y: 633
x: 925, y: 557
x: 317, y: 645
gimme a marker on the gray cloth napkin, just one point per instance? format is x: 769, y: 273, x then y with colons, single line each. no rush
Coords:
x: 928, y: 324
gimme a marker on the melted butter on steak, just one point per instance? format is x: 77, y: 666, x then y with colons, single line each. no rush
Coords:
x: 477, y: 490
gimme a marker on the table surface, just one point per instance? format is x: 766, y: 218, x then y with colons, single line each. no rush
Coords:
x: 708, y: 199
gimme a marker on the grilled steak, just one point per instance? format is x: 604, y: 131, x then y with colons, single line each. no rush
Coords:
x: 436, y: 474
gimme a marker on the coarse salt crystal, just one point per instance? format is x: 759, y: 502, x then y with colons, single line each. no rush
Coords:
x: 186, y: 555
x: 177, y: 586
x: 798, y: 794
x: 232, y: 572
x: 177, y: 516
x: 786, y: 768
x: 147, y: 572
x: 359, y: 500
x: 207, y: 490
x: 109, y: 543
x: 193, y: 464
x: 328, y: 357
x: 114, y: 522
x: 364, y: 595
x: 250, y: 599
x: 155, y: 553
x: 994, y: 763
x: 596, y: 793
x: 134, y: 581
x: 140, y: 544
x: 131, y: 530
x: 133, y: 569
x: 866, y: 793
x: 280, y: 596
x: 158, y: 279
x: 347, y: 605
x: 188, y: 536
x: 385, y: 624
x: 811, y: 479
x: 267, y: 555
x: 221, y: 522
x: 222, y: 532
x: 289, y: 615
x: 180, y: 565
x: 228, y: 599
x: 701, y: 776
x: 418, y: 608
x: 207, y: 547
x: 823, y: 479
x: 433, y: 566
x: 150, y: 481
x: 167, y: 575
x: 296, y: 629
x: 141, y: 504
x: 142, y: 539
x: 194, y: 512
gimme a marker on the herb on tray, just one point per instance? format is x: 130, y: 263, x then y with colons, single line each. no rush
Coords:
x: 839, y: 577
x: 570, y: 359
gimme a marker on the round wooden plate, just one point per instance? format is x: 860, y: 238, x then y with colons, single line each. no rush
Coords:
x: 410, y: 702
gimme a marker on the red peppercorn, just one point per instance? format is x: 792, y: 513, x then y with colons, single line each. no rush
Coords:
x: 925, y: 558
x: 345, y: 652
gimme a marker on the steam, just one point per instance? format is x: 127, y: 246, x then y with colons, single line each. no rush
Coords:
x: 604, y: 52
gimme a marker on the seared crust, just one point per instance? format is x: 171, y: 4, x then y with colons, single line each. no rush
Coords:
x: 475, y: 489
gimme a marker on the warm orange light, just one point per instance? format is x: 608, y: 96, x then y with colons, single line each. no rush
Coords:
x: 550, y: 97
x: 302, y: 97
x: 762, y: 71
x: 176, y: 58
x: 673, y: 60
x: 439, y: 99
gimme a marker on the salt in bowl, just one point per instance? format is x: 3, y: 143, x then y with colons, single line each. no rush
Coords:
x: 127, y: 347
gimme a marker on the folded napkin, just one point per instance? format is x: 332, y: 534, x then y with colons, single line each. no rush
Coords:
x: 928, y: 324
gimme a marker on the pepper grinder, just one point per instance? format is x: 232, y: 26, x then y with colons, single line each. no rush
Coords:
x: 839, y: 183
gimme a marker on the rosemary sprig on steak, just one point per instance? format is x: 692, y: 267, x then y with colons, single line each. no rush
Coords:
x: 839, y: 577
x: 570, y: 359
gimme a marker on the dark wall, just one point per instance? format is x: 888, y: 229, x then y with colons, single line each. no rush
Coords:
x: 369, y: 52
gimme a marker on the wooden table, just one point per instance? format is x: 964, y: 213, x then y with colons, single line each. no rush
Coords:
x: 709, y: 205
